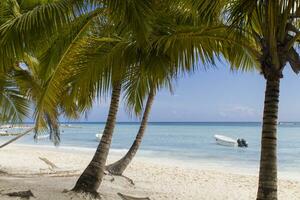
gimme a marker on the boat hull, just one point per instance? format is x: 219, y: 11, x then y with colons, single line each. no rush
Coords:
x: 43, y: 137
x: 98, y: 136
x: 225, y: 141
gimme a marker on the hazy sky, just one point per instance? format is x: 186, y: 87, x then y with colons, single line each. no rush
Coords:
x: 216, y: 95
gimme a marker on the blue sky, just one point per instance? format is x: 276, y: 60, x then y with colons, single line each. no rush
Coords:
x: 216, y: 94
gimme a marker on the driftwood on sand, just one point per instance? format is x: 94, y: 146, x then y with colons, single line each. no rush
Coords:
x: 49, y: 163
x: 23, y: 194
x: 127, y: 197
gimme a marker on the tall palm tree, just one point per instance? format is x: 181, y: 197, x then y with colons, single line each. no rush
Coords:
x: 273, y: 29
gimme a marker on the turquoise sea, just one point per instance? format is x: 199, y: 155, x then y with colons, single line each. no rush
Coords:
x: 189, y: 142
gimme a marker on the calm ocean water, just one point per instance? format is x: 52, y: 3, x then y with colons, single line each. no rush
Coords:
x: 191, y: 142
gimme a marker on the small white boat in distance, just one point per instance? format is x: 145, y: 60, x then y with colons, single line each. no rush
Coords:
x: 5, y: 126
x: 42, y: 137
x: 98, y: 136
x: 3, y: 132
x: 225, y: 141
x: 228, y: 141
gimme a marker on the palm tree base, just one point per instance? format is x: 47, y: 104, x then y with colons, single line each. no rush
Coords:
x: 82, y: 190
x: 88, y: 184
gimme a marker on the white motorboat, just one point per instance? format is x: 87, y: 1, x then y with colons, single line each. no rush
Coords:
x: 228, y: 141
x: 98, y: 136
x: 5, y: 126
x: 3, y: 132
x: 287, y: 123
x: 42, y: 137
x: 225, y: 141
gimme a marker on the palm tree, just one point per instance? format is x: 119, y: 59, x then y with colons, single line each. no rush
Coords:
x: 103, y: 71
x: 118, y: 167
x: 52, y: 63
x: 55, y: 64
x: 273, y: 29
x: 91, y: 178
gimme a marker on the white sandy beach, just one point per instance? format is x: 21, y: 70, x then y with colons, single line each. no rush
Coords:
x: 22, y: 169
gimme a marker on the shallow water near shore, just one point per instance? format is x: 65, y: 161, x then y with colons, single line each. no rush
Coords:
x: 190, y: 143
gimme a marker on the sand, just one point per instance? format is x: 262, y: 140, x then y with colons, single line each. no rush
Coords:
x: 22, y: 169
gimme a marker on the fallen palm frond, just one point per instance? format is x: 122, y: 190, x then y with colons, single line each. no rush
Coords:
x: 51, y: 165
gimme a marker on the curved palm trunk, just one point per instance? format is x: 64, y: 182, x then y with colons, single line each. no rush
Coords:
x: 119, y: 167
x: 267, y: 186
x: 91, y: 178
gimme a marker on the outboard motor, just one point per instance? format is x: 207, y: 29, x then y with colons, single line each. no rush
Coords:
x: 242, y: 142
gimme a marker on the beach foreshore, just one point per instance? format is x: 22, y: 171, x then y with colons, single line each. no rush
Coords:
x: 26, y: 168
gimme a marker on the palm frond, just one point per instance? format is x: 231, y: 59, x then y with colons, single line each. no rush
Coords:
x: 14, y: 106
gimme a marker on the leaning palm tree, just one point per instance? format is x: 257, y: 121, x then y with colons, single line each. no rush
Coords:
x: 58, y: 65
x: 158, y: 72
x: 54, y: 72
x: 132, y: 54
x: 89, y: 77
x: 273, y: 29
x: 118, y: 167
x: 91, y: 178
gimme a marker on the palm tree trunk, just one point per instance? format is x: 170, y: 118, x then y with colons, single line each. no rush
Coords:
x: 91, y: 178
x: 16, y: 138
x: 119, y: 167
x: 267, y: 186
